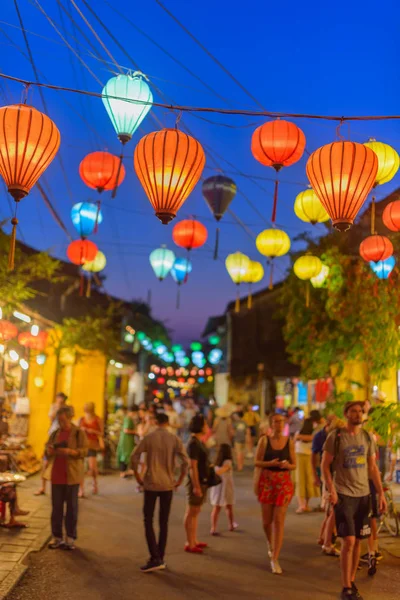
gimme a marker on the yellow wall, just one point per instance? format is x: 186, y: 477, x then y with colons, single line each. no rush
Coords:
x: 87, y: 383
x: 355, y: 371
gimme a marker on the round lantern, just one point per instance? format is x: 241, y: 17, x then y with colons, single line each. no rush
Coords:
x: 86, y: 216
x: 8, y: 331
x: 342, y: 174
x: 29, y: 141
x: 278, y: 144
x: 96, y: 265
x: 127, y: 99
x: 383, y: 268
x: 319, y: 280
x: 168, y: 164
x: 273, y: 243
x: 180, y: 271
x: 376, y: 248
x: 99, y: 171
x: 254, y: 274
x: 162, y: 260
x: 80, y: 252
x: 33, y: 342
x: 309, y: 209
x: 307, y: 266
x: 391, y: 216
x: 388, y: 161
x: 189, y: 234
x: 237, y: 265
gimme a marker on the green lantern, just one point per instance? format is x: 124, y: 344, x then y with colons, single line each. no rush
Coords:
x: 127, y: 99
x: 195, y: 346
x: 214, y: 339
x: 162, y: 260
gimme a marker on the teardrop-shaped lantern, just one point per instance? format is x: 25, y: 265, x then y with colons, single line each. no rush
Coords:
x: 98, y: 264
x: 189, y: 234
x: 342, y: 174
x: 307, y: 266
x: 80, y: 252
x: 273, y: 243
x: 278, y: 144
x: 376, y: 248
x: 127, y: 99
x: 168, y: 164
x: 237, y: 265
x: 86, y: 216
x: 388, y: 161
x: 218, y: 192
x: 180, y: 271
x: 320, y: 280
x: 162, y: 260
x: 391, y: 216
x: 99, y: 171
x: 383, y: 268
x: 29, y: 141
x: 254, y: 274
x: 308, y: 208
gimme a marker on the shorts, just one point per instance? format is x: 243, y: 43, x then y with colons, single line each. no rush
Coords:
x: 194, y: 500
x: 91, y: 453
x: 352, y: 516
x: 374, y: 501
x: 275, y: 487
x: 240, y: 446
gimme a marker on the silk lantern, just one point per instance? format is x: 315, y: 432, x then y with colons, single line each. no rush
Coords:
x: 100, y: 170
x: 388, y: 161
x: 180, y: 271
x: 33, y: 342
x: 218, y: 192
x: 189, y: 234
x: 342, y: 175
x: 308, y: 208
x: 376, y: 248
x: 391, y: 216
x: 168, y: 164
x: 86, y: 216
x: 80, y: 252
x: 272, y: 243
x: 94, y: 266
x: 383, y: 268
x: 306, y: 267
x: 254, y: 274
x: 319, y: 280
x: 237, y: 265
x: 29, y: 141
x: 8, y: 330
x: 162, y: 260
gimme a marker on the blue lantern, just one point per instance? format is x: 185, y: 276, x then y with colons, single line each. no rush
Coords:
x: 383, y: 268
x: 180, y: 270
x: 85, y: 217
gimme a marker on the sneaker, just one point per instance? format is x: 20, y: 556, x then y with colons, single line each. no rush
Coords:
x: 347, y: 594
x: 372, y: 565
x: 276, y: 567
x: 378, y: 555
x: 56, y: 543
x: 364, y: 558
x: 330, y: 551
x: 69, y: 544
x: 152, y: 565
x: 355, y: 591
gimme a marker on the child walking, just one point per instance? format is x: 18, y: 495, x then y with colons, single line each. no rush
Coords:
x: 223, y: 495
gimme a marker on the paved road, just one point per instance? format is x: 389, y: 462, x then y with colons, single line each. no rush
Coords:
x: 111, y: 550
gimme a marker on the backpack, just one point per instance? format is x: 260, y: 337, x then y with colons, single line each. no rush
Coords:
x: 337, y: 445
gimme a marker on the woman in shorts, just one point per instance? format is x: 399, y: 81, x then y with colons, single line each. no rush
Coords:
x: 92, y: 425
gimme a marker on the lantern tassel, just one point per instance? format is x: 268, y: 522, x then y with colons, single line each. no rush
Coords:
x: 13, y: 240
x: 249, y: 298
x: 81, y: 284
x: 271, y: 275
x: 178, y: 298
x: 121, y: 158
x: 89, y: 286
x: 275, y: 205
x: 307, y: 294
x: 237, y: 303
x: 216, y: 247
x: 373, y: 216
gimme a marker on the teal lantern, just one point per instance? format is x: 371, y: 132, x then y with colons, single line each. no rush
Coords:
x: 179, y: 273
x: 127, y: 99
x: 85, y: 218
x: 162, y: 260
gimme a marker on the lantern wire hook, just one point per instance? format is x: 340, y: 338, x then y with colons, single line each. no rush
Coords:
x: 338, y: 128
x: 178, y: 118
x: 24, y: 94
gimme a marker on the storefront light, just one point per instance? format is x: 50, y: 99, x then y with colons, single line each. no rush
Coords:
x: 21, y: 316
x: 35, y: 330
x: 41, y: 359
x: 14, y: 355
x: 119, y: 365
x: 112, y: 362
x: 24, y: 364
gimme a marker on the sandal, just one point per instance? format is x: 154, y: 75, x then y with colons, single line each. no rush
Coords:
x: 40, y: 493
x: 194, y: 550
x: 201, y: 545
x: 233, y: 527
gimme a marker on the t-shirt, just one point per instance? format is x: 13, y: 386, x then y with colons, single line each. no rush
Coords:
x: 318, y: 442
x: 351, y: 462
x: 174, y: 421
x: 197, y: 451
x: 251, y: 418
x: 240, y: 428
x: 59, y: 471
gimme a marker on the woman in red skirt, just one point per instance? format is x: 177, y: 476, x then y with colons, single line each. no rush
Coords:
x: 275, y: 458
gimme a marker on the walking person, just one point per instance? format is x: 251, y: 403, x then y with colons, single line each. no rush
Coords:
x: 222, y: 428
x: 239, y: 439
x: 199, y: 470
x: 351, y: 453
x: 126, y: 443
x: 66, y: 449
x: 252, y: 420
x: 93, y: 426
x: 305, y: 480
x: 161, y: 449
x: 223, y: 495
x: 275, y: 458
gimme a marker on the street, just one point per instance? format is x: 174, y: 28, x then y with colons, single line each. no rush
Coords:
x: 111, y: 548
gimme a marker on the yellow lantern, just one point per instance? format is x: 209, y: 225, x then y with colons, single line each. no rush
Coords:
x: 308, y: 208
x: 254, y: 274
x: 388, y: 161
x: 272, y: 243
x: 305, y: 268
x: 320, y: 280
x: 237, y: 265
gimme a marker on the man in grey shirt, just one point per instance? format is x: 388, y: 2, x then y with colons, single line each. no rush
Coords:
x: 350, y: 454
x: 161, y: 449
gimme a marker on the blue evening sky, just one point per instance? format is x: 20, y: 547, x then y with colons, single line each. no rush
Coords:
x: 306, y: 57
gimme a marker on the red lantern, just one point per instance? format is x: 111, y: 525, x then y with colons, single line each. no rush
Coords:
x: 189, y: 234
x: 376, y: 248
x: 391, y: 216
x: 8, y: 331
x: 80, y: 252
x: 34, y: 342
x: 99, y: 171
x: 278, y: 144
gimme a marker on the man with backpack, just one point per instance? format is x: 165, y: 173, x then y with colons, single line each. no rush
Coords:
x: 350, y: 454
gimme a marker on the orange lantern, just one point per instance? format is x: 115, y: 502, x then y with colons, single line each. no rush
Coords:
x: 80, y: 252
x: 29, y: 141
x: 8, y: 331
x: 189, y: 234
x: 376, y: 248
x: 391, y: 216
x: 342, y: 174
x: 278, y: 144
x: 101, y: 171
x: 34, y: 342
x: 168, y: 164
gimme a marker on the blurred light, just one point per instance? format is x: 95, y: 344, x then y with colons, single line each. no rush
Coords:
x: 183, y: 362
x: 35, y: 330
x: 160, y: 380
x: 21, y: 316
x: 41, y: 359
x: 215, y: 356
x: 24, y: 364
x: 2, y: 348
x: 112, y: 362
x: 161, y: 349
x: 14, y: 355
x: 163, y: 371
x: 195, y: 346
x: 141, y: 335
x: 152, y: 376
x: 177, y: 348
x: 210, y: 378
x: 201, y: 372
x: 167, y: 356
x: 201, y: 380
x: 1, y: 313
x: 191, y: 380
x: 180, y: 354
x: 214, y: 340
x: 197, y: 356
x: 119, y: 365
x: 39, y: 382
x: 209, y: 371
x: 129, y: 338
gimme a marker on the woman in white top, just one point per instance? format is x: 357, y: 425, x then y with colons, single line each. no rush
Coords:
x: 224, y: 493
x: 305, y: 487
